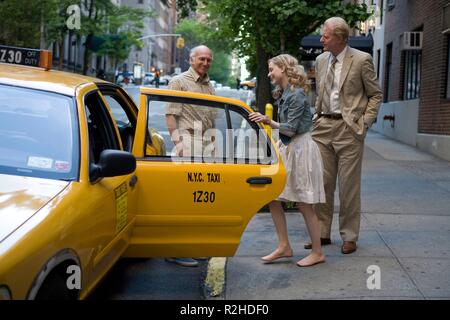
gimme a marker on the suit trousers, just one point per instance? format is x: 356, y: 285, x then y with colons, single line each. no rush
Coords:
x: 342, y: 155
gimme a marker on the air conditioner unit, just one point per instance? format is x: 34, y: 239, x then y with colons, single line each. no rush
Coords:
x: 390, y: 4
x: 412, y: 40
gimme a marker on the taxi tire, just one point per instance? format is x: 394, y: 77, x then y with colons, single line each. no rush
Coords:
x: 55, y: 288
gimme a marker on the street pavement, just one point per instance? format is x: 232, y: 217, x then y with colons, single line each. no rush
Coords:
x: 405, y: 232
x: 151, y: 279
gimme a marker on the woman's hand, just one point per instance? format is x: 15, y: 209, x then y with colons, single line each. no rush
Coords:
x: 258, y: 117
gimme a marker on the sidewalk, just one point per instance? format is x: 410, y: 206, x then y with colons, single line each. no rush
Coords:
x: 405, y: 230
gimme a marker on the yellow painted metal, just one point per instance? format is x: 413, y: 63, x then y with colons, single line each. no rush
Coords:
x: 269, y: 112
x: 169, y: 222
x: 36, y: 78
x: 194, y: 95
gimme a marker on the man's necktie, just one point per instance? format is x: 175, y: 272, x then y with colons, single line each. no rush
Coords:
x: 327, y: 87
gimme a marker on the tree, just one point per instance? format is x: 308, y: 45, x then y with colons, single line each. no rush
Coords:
x: 103, y: 18
x: 25, y: 33
x: 196, y: 33
x: 125, y: 25
x: 25, y: 22
x: 34, y: 24
x: 54, y: 25
x: 262, y: 29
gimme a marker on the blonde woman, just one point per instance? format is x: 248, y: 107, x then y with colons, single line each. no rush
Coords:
x: 300, y: 155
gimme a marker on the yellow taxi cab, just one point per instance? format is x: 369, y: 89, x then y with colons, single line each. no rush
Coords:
x: 87, y: 177
x: 248, y: 84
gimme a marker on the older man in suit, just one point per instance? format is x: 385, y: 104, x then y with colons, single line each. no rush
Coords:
x: 348, y: 98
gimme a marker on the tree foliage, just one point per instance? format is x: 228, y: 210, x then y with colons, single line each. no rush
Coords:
x: 119, y: 28
x: 103, y: 18
x: 30, y: 23
x: 19, y: 26
x: 262, y: 29
x: 196, y: 33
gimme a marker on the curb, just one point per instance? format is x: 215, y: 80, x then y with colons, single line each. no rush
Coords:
x: 215, y: 279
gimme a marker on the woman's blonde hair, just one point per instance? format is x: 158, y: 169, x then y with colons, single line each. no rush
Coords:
x: 295, y: 73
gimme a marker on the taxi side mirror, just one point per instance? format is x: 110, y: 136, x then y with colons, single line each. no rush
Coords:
x: 112, y: 163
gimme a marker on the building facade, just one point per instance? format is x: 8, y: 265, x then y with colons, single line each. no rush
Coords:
x: 415, y: 79
x: 374, y: 27
x: 159, y: 47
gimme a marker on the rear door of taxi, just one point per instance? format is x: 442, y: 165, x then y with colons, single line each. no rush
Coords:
x: 198, y: 202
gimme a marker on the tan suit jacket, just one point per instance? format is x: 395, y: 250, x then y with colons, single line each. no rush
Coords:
x: 360, y: 95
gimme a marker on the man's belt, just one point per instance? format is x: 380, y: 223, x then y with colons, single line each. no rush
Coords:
x: 331, y: 115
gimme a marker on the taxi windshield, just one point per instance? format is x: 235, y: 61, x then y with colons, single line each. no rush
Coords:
x: 38, y: 134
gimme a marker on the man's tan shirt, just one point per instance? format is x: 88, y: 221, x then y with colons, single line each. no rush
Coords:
x: 188, y: 114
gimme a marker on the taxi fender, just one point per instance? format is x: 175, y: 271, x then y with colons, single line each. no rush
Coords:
x: 62, y: 257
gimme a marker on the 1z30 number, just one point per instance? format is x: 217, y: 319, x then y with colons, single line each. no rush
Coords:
x: 204, y: 196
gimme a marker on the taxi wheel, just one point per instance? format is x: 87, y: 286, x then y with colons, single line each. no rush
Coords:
x: 245, y: 88
x: 55, y: 288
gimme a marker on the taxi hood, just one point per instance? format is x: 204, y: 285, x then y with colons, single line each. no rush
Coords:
x: 22, y: 197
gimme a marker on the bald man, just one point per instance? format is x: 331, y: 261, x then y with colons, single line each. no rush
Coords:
x: 183, y: 117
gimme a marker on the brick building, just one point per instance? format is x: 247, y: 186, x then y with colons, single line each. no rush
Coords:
x: 416, y: 82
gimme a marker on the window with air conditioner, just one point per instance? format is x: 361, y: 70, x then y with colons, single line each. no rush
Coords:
x: 447, y: 93
x: 411, y: 40
x: 446, y: 20
x: 390, y: 4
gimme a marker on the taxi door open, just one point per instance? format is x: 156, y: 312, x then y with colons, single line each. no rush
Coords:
x: 211, y: 173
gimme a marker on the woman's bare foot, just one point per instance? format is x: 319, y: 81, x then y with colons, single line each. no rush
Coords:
x: 278, y: 253
x: 312, y: 259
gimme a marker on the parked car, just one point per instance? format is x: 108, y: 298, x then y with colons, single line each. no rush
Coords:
x: 86, y: 178
x: 125, y: 78
x: 165, y: 79
x: 149, y: 78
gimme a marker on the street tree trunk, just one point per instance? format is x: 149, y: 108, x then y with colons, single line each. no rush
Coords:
x: 87, y: 54
x: 61, y: 53
x: 263, y: 90
x: 282, y: 42
x: 42, y: 30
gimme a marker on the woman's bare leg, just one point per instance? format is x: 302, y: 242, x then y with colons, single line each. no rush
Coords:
x: 279, y: 220
x: 312, y: 223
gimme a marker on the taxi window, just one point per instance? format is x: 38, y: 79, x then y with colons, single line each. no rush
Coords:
x: 210, y: 132
x: 117, y: 111
x: 38, y: 134
x: 100, y: 127
x: 123, y: 116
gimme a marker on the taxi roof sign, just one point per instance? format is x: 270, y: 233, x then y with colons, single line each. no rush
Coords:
x: 26, y: 57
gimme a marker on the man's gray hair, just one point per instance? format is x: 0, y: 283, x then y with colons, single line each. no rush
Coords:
x: 339, y: 26
x: 194, y: 50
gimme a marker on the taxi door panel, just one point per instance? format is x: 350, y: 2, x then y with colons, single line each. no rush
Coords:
x: 198, y: 201
x: 107, y: 198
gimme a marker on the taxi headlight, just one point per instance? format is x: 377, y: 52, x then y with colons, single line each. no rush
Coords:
x: 5, y: 294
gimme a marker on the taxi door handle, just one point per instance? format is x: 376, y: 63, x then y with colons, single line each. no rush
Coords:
x: 259, y: 180
x: 133, y: 181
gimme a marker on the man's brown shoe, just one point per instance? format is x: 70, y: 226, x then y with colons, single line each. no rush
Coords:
x: 348, y: 247
x: 323, y: 241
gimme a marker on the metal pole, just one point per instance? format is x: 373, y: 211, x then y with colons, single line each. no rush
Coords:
x: 160, y: 35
